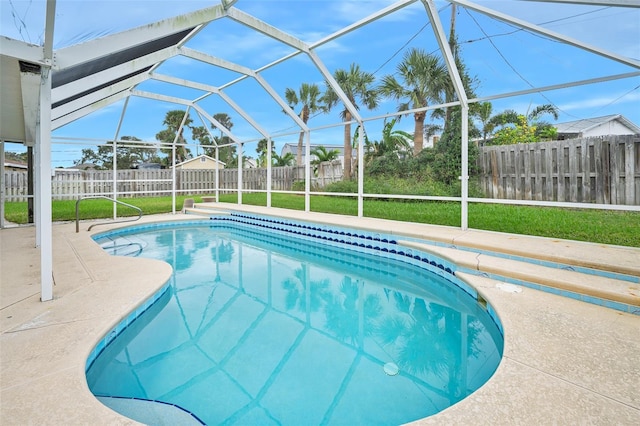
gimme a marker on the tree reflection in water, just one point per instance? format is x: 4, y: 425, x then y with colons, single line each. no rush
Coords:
x: 240, y: 338
x: 221, y: 253
x: 296, y: 291
x: 349, y: 320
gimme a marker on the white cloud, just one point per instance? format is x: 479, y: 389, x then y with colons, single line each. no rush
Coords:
x: 601, y: 101
x: 613, y: 28
x: 248, y: 48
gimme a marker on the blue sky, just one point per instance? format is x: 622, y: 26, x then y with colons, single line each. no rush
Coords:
x: 500, y: 57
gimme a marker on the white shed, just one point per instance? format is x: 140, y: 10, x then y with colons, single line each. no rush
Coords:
x: 201, y: 162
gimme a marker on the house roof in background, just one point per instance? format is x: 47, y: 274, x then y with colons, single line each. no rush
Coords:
x: 190, y: 160
x: 580, y: 126
x: 15, y: 165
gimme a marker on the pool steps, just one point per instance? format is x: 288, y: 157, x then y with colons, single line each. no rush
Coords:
x: 554, y: 280
x: 204, y: 211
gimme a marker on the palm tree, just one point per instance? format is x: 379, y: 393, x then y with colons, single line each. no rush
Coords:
x: 535, y: 114
x: 172, y: 121
x: 357, y: 86
x: 530, y: 125
x: 201, y: 135
x: 510, y: 116
x: 322, y: 155
x: 224, y: 119
x: 423, y: 80
x: 227, y: 154
x: 309, y: 98
x: 394, y: 140
x: 483, y: 112
x: 261, y: 149
x: 279, y: 161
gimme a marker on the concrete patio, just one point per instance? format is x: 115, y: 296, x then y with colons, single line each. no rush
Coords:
x: 565, y: 361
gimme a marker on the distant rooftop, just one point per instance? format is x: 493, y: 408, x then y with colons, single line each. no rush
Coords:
x: 581, y: 126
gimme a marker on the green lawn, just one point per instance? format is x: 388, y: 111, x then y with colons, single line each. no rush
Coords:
x: 599, y: 226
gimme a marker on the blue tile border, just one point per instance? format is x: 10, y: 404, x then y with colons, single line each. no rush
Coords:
x: 119, y: 328
x: 133, y: 398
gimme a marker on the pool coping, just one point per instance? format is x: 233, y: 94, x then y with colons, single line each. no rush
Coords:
x: 576, y: 358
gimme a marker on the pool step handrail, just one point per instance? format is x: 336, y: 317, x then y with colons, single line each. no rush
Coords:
x: 113, y: 200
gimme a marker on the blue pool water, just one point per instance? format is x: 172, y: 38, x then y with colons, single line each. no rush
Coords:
x: 260, y: 327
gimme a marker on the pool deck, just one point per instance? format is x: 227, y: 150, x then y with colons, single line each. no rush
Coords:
x: 565, y: 361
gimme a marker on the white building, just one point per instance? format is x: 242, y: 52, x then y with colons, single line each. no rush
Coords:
x: 201, y: 162
x: 599, y: 126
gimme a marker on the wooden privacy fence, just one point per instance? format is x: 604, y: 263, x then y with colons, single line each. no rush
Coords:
x: 71, y: 184
x: 603, y: 170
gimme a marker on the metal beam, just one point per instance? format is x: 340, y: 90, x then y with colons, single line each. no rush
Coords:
x: 185, y: 83
x: 77, y: 114
x: 548, y: 33
x: 227, y: 3
x: 243, y: 114
x: 206, y: 126
x: 556, y: 87
x: 21, y: 50
x: 216, y: 123
x: 30, y: 81
x: 373, y: 17
x: 96, y: 96
x: 159, y: 97
x: 612, y: 3
x: 432, y: 11
x: 285, y: 106
x: 212, y: 60
x: 93, y: 49
x: 266, y: 29
x: 103, y: 77
x: 386, y: 11
x: 335, y: 86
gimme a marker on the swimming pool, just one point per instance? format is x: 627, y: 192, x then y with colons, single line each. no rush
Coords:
x: 293, y: 323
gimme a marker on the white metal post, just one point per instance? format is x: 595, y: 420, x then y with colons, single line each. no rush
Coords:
x: 37, y: 193
x: 464, y: 214
x: 45, y: 218
x: 307, y: 172
x: 173, y: 178
x: 217, y: 174
x: 269, y: 143
x: 2, y: 186
x: 361, y: 170
x: 240, y: 173
x: 114, y: 178
x: 449, y: 60
x: 173, y: 160
x: 115, y: 158
x: 43, y: 142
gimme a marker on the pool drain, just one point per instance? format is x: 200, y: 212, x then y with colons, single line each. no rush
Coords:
x: 391, y: 369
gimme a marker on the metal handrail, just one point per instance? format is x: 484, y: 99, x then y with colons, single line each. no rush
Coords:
x: 105, y: 223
